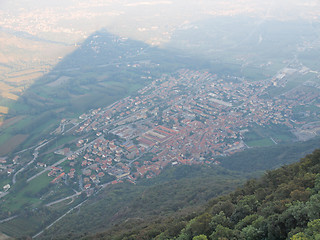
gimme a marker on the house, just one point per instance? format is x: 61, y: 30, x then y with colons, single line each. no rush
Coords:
x: 41, y: 164
x: 104, y: 167
x: 16, y: 158
x: 58, y: 178
x: 52, y: 173
x: 86, y: 180
x: 100, y: 174
x: 6, y: 187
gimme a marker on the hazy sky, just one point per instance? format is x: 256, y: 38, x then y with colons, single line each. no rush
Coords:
x: 152, y: 21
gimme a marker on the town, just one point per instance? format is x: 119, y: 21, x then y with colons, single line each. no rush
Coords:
x: 190, y: 117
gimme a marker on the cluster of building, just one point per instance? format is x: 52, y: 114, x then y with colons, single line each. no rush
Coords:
x: 7, y: 165
x: 190, y: 117
x: 187, y: 118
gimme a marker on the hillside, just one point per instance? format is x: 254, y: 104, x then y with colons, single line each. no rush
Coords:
x: 176, y: 191
x: 283, y: 204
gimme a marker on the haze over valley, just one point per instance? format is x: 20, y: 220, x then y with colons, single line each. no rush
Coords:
x: 105, y: 105
x: 35, y: 36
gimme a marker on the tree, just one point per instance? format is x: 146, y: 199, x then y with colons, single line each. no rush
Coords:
x: 295, y: 216
x: 248, y: 220
x: 200, y: 225
x: 200, y: 237
x: 313, y: 206
x: 313, y: 229
x: 251, y: 233
x: 225, y: 206
x: 300, y: 236
x: 219, y: 219
x: 222, y: 232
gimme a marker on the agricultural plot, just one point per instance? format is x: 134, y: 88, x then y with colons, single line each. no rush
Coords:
x: 12, y: 143
x: 4, y: 110
x: 267, y: 136
x: 10, y: 96
x: 266, y: 142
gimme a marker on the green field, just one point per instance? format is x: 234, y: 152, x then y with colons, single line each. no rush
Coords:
x: 9, y: 130
x: 261, y: 143
x: 260, y: 136
x: 25, y: 195
x: 59, y: 142
x: 50, y: 158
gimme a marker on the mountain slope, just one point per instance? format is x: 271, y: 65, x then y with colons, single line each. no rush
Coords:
x: 283, y: 204
x: 177, y: 190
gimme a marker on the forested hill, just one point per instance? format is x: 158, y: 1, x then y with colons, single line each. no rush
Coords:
x: 283, y: 204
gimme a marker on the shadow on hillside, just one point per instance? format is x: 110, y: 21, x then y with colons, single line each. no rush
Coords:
x: 104, y: 69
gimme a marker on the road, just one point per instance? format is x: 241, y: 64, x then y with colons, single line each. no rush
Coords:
x: 62, y: 160
x: 8, y: 219
x: 76, y: 125
x: 63, y: 199
x: 57, y: 220
x: 35, y: 156
x: 273, y: 140
x: 3, y: 194
x: 47, y: 169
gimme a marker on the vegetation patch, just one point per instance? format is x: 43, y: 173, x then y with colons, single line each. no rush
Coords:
x: 12, y: 143
x: 25, y: 195
x: 261, y: 143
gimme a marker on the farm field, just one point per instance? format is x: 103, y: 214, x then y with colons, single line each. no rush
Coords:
x: 9, y: 145
x: 260, y: 143
x: 4, y: 110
